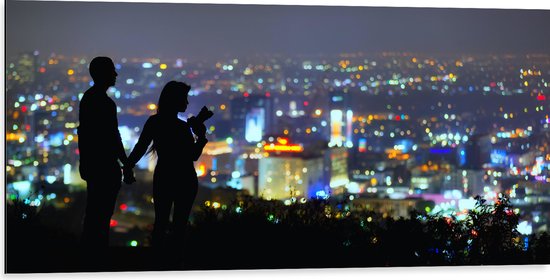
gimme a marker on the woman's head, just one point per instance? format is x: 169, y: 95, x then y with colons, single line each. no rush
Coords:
x: 173, y: 98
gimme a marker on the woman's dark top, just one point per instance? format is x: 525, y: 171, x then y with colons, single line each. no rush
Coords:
x: 175, y: 146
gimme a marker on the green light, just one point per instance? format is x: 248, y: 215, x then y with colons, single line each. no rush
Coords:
x: 427, y: 209
x: 133, y: 243
x: 13, y: 197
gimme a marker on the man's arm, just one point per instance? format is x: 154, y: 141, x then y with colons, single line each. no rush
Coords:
x: 121, y: 154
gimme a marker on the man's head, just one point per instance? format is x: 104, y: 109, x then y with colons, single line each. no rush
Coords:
x: 103, y: 71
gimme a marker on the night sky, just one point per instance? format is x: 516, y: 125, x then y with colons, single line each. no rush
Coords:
x: 212, y: 31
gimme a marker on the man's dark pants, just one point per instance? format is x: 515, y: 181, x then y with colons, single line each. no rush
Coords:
x: 103, y: 188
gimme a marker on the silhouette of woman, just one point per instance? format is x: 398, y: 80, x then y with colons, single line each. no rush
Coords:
x: 175, y: 180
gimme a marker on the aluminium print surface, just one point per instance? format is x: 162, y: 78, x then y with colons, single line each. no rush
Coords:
x: 143, y: 136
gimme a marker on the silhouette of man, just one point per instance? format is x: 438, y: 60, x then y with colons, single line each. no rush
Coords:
x: 100, y: 149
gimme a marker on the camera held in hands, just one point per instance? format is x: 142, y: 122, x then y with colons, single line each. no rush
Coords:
x: 203, y: 115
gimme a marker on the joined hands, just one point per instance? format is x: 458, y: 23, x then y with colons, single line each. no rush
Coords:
x: 128, y: 173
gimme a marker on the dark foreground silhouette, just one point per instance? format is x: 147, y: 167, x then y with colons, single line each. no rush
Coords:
x: 257, y: 234
x: 100, y: 148
x: 175, y: 181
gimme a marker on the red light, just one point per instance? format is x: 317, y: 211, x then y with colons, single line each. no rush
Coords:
x: 123, y: 207
x: 23, y: 109
x: 77, y: 151
x: 493, y: 84
x: 113, y: 223
x: 541, y: 97
x: 267, y: 94
x: 398, y: 118
x: 42, y: 70
x: 27, y: 127
x: 306, y: 103
x: 245, y: 94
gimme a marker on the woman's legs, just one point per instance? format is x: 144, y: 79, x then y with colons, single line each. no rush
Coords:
x: 182, y: 208
x: 163, y: 201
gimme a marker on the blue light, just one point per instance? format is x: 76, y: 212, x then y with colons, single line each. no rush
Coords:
x: 214, y: 164
x: 440, y: 151
x: 337, y: 98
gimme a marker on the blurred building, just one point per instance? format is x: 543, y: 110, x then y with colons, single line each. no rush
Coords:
x: 252, y: 117
x: 341, y: 117
x: 289, y: 172
x: 336, y: 168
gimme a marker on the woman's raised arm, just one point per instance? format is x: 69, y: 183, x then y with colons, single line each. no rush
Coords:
x: 143, y: 143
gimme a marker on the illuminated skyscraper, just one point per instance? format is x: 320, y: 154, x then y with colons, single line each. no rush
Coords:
x: 252, y: 117
x: 341, y: 117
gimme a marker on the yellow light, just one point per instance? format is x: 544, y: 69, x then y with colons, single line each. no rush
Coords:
x: 373, y: 181
x: 526, y: 83
x: 163, y: 66
x: 360, y: 68
x: 222, y: 107
x: 451, y: 75
x: 285, y: 131
x: 152, y: 106
x: 282, y: 141
x: 284, y: 148
x: 201, y: 171
x: 70, y: 72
